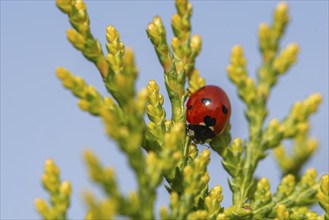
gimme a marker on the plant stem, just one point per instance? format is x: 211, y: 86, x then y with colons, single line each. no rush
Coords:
x: 186, y: 149
x: 254, y: 152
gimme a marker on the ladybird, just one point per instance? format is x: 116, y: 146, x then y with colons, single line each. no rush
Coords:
x: 208, y: 112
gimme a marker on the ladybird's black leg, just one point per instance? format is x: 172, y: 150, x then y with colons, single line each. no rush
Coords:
x: 187, y: 94
x: 188, y: 91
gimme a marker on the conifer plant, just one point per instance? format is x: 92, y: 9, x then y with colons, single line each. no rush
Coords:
x: 160, y: 151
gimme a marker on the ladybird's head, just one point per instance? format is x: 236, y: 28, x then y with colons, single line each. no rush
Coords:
x: 200, y: 133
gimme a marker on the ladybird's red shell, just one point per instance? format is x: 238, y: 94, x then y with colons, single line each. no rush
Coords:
x: 209, y: 102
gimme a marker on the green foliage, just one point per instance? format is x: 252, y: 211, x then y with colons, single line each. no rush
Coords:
x: 161, y: 150
x: 323, y: 195
x: 59, y: 192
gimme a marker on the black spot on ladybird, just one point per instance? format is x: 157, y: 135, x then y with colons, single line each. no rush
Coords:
x: 206, y: 101
x: 209, y: 121
x: 189, y: 107
x: 224, y: 109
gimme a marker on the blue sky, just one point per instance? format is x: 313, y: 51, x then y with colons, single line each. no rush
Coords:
x: 40, y: 119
